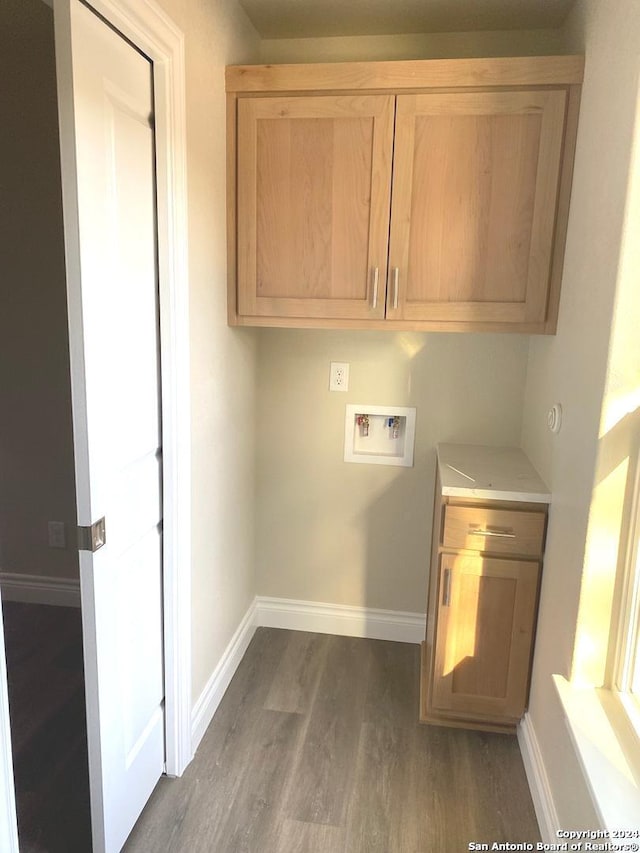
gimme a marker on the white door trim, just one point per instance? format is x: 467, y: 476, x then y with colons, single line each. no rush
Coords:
x: 147, y: 26
x: 8, y: 820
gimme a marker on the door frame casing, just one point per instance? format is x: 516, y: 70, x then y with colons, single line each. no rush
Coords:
x: 8, y: 820
x: 149, y: 29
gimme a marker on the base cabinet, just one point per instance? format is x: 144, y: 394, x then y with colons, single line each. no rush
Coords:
x: 482, y: 613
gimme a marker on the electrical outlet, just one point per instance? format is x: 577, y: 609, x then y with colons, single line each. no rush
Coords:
x: 57, y: 535
x: 339, y: 376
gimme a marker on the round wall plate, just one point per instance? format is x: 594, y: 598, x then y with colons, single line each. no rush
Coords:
x: 554, y: 418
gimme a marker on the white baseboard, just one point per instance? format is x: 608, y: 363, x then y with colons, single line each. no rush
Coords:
x: 208, y: 701
x: 38, y: 589
x: 342, y: 619
x: 538, y: 781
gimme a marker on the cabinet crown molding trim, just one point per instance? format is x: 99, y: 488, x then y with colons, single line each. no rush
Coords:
x: 407, y: 74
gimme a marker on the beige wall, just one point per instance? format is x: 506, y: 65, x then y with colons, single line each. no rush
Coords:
x: 571, y: 367
x: 217, y: 33
x: 412, y: 46
x: 36, y: 454
x: 360, y: 534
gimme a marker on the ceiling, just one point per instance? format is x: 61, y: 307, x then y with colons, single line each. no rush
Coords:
x: 314, y: 18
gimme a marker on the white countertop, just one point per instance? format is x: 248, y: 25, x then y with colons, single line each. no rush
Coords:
x: 494, y: 473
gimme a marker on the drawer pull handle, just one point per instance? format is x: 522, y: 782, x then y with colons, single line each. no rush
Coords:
x: 497, y: 534
x: 374, y: 298
x: 396, y: 273
x: 446, y: 595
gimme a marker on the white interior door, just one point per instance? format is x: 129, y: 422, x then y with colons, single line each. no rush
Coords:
x: 106, y: 116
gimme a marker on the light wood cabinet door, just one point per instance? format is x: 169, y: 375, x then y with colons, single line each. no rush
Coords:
x: 475, y: 186
x: 314, y: 183
x: 484, y: 636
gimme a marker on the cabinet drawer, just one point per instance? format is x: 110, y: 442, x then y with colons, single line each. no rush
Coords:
x: 499, y: 531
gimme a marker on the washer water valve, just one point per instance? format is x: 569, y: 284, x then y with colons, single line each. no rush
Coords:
x: 363, y: 423
x: 394, y: 425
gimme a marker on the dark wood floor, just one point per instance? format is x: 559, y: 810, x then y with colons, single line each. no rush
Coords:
x: 48, y: 728
x: 315, y: 748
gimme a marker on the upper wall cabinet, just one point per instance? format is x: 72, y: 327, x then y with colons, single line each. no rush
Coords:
x: 402, y: 195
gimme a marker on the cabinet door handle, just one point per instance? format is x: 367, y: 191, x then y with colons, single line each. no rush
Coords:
x: 374, y: 296
x: 396, y: 274
x: 497, y: 534
x: 446, y: 594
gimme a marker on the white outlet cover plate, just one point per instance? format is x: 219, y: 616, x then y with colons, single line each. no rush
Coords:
x: 339, y: 376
